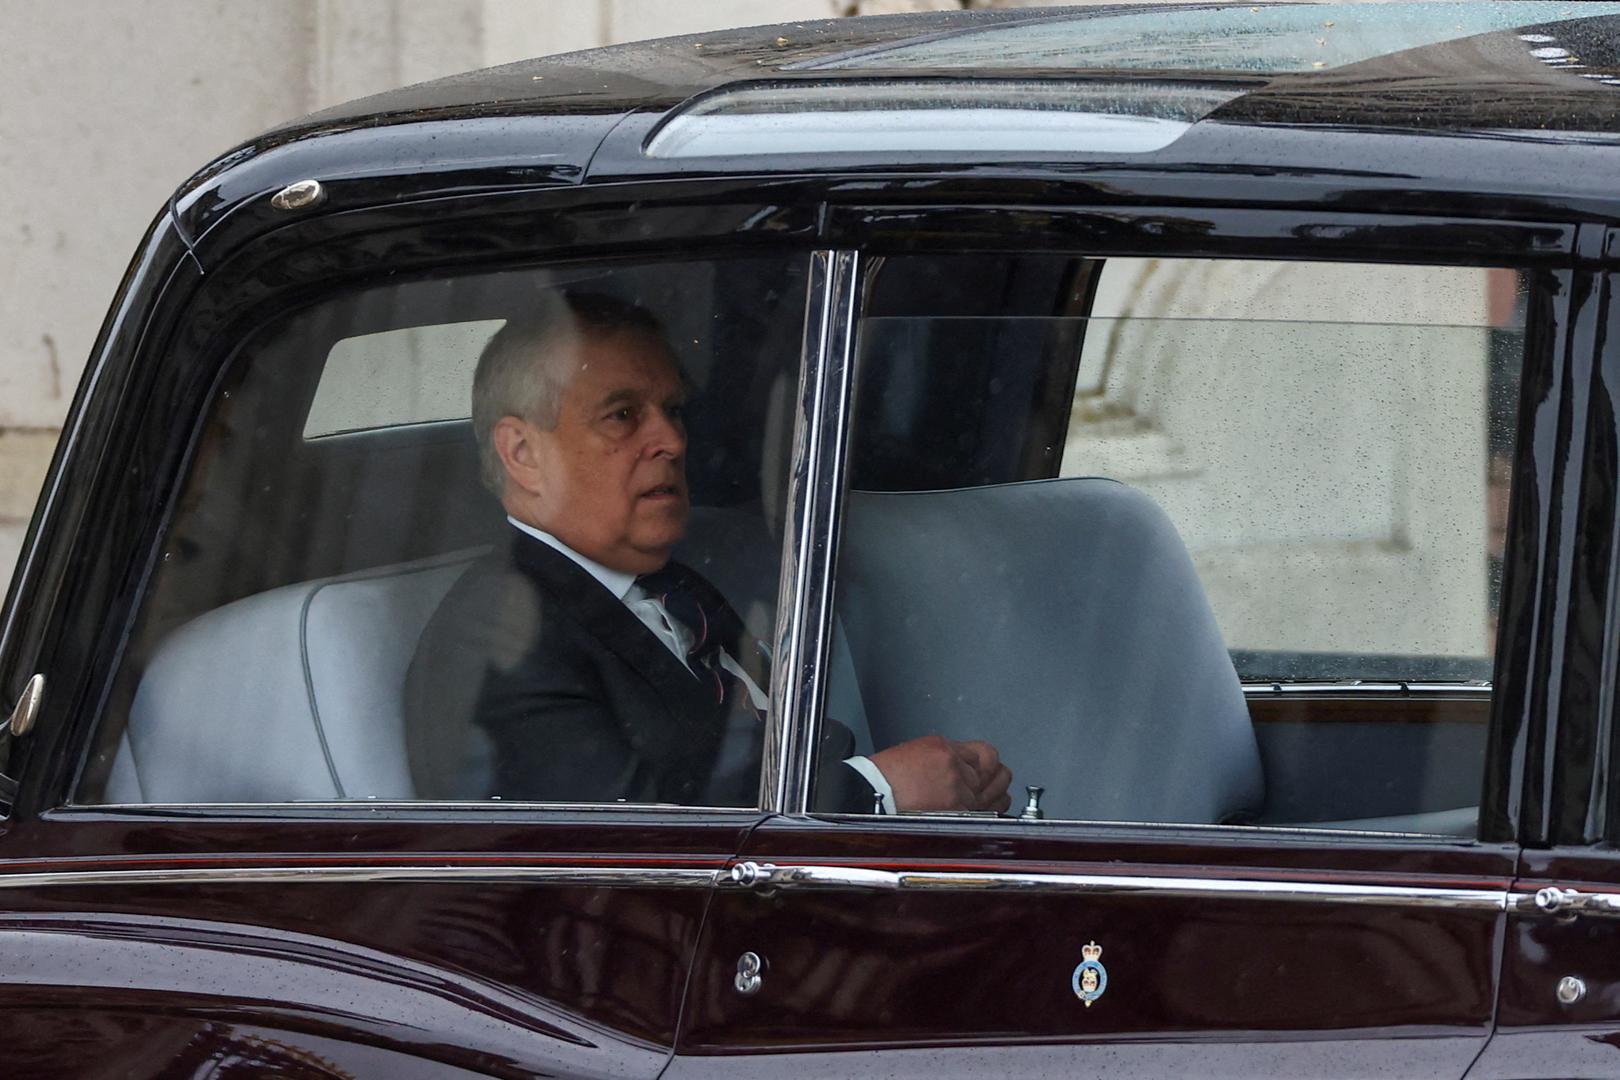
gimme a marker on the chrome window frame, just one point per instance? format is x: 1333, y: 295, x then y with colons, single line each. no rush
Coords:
x: 810, y: 534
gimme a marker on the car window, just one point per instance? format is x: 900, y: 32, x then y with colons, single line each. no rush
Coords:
x: 1187, y: 540
x: 475, y: 538
x: 1336, y: 436
x: 361, y: 387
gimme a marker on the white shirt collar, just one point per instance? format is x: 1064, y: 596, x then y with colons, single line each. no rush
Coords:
x: 616, y: 582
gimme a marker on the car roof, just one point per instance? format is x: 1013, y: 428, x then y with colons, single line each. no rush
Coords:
x: 1524, y: 77
x: 1454, y: 65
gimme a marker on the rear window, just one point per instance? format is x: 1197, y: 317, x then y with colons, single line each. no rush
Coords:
x: 392, y: 377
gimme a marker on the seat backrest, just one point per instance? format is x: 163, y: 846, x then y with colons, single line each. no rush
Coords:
x: 292, y: 694
x: 296, y: 693
x: 1063, y: 621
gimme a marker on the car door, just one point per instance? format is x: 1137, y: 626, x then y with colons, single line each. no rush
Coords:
x: 217, y: 856
x: 1558, y: 999
x: 1304, y: 870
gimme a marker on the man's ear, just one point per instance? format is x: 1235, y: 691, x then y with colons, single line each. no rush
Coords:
x: 517, y: 444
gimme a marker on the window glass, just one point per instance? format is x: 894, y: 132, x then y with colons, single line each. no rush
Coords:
x: 1326, y: 438
x: 1185, y: 540
x: 504, y: 536
x: 404, y: 376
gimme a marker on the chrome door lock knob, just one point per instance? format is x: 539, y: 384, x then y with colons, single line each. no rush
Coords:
x: 1570, y: 990
x: 1032, y: 808
x: 747, y: 979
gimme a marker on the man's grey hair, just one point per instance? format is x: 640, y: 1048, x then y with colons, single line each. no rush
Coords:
x: 527, y: 365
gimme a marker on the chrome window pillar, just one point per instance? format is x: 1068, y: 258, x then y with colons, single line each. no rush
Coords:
x: 809, y: 544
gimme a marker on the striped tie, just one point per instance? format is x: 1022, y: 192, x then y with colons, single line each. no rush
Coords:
x: 673, y: 589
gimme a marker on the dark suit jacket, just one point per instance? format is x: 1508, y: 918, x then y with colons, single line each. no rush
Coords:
x: 532, y: 681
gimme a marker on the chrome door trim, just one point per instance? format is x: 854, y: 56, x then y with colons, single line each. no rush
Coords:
x: 749, y: 875
x: 766, y: 876
x: 815, y: 495
x: 372, y: 806
x: 588, y: 876
x: 1356, y: 687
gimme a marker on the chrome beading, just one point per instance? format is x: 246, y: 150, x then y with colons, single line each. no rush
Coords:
x: 815, y: 492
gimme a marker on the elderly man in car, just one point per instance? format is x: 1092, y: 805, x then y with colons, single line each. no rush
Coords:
x: 577, y: 662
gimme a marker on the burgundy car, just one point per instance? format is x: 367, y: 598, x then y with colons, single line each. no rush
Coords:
x: 1215, y: 408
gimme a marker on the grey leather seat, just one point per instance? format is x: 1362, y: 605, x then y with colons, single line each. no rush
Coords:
x: 292, y: 694
x: 1063, y: 621
x: 295, y: 693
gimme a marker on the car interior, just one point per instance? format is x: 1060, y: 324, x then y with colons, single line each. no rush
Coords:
x: 980, y: 593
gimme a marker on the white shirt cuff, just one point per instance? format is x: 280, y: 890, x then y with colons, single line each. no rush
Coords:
x: 874, y: 776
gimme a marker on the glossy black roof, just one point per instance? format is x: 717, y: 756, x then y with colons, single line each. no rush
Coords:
x: 657, y: 74
x: 1493, y: 78
x: 1529, y: 79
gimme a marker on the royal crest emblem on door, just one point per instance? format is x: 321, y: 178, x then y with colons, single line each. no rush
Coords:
x: 1090, y: 978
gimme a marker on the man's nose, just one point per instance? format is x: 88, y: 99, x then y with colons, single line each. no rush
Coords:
x: 667, y: 434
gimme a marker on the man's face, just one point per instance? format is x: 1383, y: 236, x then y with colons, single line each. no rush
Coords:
x: 611, y: 477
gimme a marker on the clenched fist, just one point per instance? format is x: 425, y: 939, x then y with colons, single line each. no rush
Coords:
x: 936, y: 773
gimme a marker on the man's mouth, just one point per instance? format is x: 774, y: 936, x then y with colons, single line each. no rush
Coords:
x: 663, y: 491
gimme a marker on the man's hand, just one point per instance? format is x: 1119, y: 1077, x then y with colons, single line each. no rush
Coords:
x: 993, y: 776
x: 936, y: 773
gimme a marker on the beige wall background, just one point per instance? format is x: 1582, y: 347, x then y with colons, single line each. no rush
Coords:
x: 107, y: 105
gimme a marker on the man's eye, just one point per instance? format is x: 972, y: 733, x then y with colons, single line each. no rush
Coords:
x: 622, y: 414
x: 676, y: 412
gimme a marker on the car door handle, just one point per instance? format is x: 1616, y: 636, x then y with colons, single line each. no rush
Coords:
x: 753, y: 875
x: 1552, y: 900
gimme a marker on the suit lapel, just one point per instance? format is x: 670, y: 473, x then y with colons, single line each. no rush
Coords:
x: 606, y: 618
